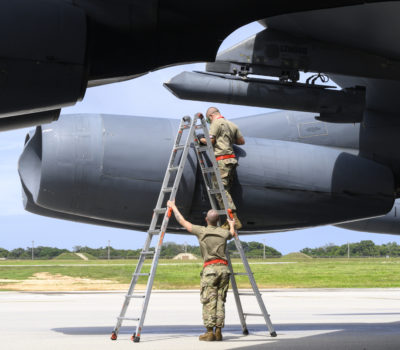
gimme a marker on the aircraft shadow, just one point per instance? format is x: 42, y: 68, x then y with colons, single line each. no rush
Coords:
x: 363, y: 336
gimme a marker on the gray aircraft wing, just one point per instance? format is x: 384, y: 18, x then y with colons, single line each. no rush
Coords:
x: 314, y: 177
x: 52, y: 51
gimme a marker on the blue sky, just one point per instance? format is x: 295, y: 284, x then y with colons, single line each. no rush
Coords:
x: 144, y: 96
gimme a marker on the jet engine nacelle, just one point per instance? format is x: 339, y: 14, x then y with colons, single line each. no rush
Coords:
x: 108, y: 170
x: 42, y: 56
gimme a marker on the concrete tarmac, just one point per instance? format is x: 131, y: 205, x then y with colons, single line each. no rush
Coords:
x: 304, y: 319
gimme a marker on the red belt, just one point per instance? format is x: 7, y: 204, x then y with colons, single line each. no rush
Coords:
x: 227, y: 156
x: 216, y: 261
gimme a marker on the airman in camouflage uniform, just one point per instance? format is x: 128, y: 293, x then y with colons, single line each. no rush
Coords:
x: 215, y: 275
x: 214, y: 287
x: 223, y: 135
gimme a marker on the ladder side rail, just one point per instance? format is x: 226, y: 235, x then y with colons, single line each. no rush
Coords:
x: 254, y: 286
x: 133, y: 283
x: 235, y: 291
x: 182, y: 163
x: 167, y: 175
x: 150, y: 281
x: 162, y: 232
x: 182, y: 126
x: 140, y: 263
x: 126, y: 303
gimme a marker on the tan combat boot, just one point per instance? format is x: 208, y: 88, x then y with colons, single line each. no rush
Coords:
x: 218, y: 333
x: 208, y: 336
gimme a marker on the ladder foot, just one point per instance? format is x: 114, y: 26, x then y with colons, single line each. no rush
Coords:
x: 113, y: 336
x: 134, y: 338
x: 273, y: 334
x: 245, y: 331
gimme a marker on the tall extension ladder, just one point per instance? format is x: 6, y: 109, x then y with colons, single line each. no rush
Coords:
x: 205, y: 155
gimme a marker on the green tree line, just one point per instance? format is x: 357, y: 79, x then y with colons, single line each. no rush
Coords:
x: 254, y: 250
x: 38, y: 252
x: 169, y: 250
x: 363, y: 248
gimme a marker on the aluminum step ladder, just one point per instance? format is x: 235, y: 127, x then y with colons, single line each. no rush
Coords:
x: 173, y: 174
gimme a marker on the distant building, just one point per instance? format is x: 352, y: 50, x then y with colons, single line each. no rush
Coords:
x: 185, y: 256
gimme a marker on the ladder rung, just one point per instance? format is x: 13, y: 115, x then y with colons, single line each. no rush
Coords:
x: 160, y: 210
x: 128, y: 318
x: 140, y: 274
x: 208, y: 170
x: 153, y: 232
x: 214, y: 190
x: 167, y: 189
x: 173, y: 168
x: 203, y: 148
x: 247, y: 314
x: 177, y: 148
x: 134, y: 296
x: 150, y: 252
x: 251, y: 294
x: 199, y: 126
x: 221, y: 212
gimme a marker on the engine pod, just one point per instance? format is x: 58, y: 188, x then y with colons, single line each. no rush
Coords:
x: 292, y: 185
x: 109, y: 169
x: 103, y: 167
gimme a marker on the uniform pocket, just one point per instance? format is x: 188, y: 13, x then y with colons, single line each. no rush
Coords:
x: 204, y: 292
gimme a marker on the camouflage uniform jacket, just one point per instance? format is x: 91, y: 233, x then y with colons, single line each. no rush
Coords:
x: 225, y: 134
x: 212, y: 240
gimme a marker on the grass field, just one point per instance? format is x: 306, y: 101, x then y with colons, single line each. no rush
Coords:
x: 172, y: 274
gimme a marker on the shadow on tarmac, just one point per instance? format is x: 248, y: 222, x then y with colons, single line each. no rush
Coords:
x: 253, y: 328
x: 363, y: 336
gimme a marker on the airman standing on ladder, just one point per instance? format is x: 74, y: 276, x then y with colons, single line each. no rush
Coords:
x: 215, y: 274
x: 223, y: 134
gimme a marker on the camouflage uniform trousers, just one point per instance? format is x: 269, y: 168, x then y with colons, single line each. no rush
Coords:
x: 214, y: 287
x: 227, y: 170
